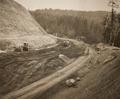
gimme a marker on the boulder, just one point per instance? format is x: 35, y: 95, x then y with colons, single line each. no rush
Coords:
x: 70, y: 82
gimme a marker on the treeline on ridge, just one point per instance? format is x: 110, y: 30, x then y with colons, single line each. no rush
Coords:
x: 72, y: 24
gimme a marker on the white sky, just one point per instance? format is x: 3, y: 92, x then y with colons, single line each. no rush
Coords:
x: 84, y: 5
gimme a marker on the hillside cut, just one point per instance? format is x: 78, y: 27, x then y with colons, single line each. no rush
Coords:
x: 17, y: 26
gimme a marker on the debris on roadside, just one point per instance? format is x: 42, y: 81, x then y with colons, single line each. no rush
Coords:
x: 24, y: 48
x: 78, y: 79
x: 70, y: 82
x: 18, y: 49
x: 66, y: 44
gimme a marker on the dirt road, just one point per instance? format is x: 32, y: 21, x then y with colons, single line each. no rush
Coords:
x: 39, y: 87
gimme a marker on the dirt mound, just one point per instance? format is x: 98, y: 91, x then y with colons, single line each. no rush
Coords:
x: 16, y: 22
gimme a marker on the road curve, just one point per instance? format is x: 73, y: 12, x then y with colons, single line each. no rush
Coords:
x: 41, y: 86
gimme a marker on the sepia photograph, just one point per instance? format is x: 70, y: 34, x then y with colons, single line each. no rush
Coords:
x: 59, y: 49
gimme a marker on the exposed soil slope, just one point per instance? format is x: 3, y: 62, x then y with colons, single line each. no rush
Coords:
x: 18, y: 26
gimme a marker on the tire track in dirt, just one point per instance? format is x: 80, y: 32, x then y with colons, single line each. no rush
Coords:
x: 44, y: 84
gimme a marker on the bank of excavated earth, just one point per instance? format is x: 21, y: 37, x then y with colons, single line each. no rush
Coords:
x: 17, y: 26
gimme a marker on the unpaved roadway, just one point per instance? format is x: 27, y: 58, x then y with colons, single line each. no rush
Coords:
x: 39, y: 87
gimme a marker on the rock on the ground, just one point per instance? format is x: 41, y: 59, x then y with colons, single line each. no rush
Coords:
x: 2, y: 51
x: 70, y: 82
x: 78, y: 78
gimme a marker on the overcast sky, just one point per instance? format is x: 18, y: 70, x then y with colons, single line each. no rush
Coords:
x: 84, y: 5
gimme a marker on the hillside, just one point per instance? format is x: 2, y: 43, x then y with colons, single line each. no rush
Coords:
x: 91, y: 15
x: 72, y: 24
x: 18, y: 26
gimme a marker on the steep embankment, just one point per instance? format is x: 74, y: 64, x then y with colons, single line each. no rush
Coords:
x: 17, y: 26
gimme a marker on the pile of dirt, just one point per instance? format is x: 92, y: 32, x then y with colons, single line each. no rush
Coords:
x: 17, y: 26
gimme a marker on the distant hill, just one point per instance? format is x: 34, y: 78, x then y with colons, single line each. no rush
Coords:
x: 18, y: 26
x: 72, y: 24
x: 91, y: 15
